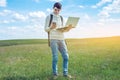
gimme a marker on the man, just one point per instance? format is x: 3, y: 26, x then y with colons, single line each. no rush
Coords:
x: 57, y: 42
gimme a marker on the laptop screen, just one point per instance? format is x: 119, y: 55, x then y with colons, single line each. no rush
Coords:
x: 73, y: 21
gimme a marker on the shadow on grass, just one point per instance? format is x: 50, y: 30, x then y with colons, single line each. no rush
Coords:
x: 25, y: 78
x: 47, y: 77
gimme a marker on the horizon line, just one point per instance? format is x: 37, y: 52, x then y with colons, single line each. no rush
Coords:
x: 65, y: 38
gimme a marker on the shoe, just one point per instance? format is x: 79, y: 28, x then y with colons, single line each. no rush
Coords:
x: 68, y: 76
x: 55, y: 77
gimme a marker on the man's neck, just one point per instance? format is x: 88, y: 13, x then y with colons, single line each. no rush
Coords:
x: 55, y: 14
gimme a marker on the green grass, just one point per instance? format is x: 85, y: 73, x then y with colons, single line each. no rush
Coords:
x: 21, y: 41
x: 90, y: 59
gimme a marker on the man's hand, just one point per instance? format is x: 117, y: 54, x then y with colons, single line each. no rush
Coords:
x: 65, y: 29
x: 69, y: 27
x: 53, y: 25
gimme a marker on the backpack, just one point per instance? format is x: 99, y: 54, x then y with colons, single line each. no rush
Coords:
x: 51, y: 18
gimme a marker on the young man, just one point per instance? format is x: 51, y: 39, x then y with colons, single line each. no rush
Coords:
x: 57, y: 42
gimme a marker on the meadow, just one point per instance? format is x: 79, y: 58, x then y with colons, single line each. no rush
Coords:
x: 90, y: 59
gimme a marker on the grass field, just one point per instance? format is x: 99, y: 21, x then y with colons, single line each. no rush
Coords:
x: 90, y: 59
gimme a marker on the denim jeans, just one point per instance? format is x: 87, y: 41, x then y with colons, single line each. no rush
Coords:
x: 59, y: 45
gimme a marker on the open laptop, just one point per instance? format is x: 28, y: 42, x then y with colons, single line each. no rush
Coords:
x: 73, y: 21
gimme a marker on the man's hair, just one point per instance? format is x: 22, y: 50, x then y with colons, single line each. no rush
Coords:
x: 57, y: 5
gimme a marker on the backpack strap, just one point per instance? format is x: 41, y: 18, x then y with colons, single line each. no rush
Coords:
x: 51, y: 18
x: 61, y: 20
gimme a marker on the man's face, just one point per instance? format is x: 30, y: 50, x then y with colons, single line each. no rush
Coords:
x: 56, y: 10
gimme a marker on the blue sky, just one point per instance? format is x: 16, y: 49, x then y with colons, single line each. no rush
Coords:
x: 24, y: 19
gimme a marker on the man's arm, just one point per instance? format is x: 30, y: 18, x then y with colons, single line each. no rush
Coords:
x: 65, y: 29
x: 47, y: 28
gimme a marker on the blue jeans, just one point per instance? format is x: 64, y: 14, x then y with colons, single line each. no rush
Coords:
x: 59, y: 45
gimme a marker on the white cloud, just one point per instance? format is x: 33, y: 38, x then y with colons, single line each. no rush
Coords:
x: 104, y: 14
x: 87, y: 17
x: 113, y: 20
x: 115, y: 6
x: 37, y: 14
x: 109, y: 20
x: 107, y: 11
x: 12, y: 28
x: 31, y: 25
x: 37, y: 1
x: 80, y: 6
x: 3, y: 3
x: 55, y: 0
x: 94, y: 30
x: 49, y: 10
x: 5, y: 16
x: 8, y: 16
x: 93, y: 6
x: 19, y: 17
x: 5, y: 12
x: 23, y: 32
x: 6, y: 21
x: 37, y: 17
x: 101, y: 3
